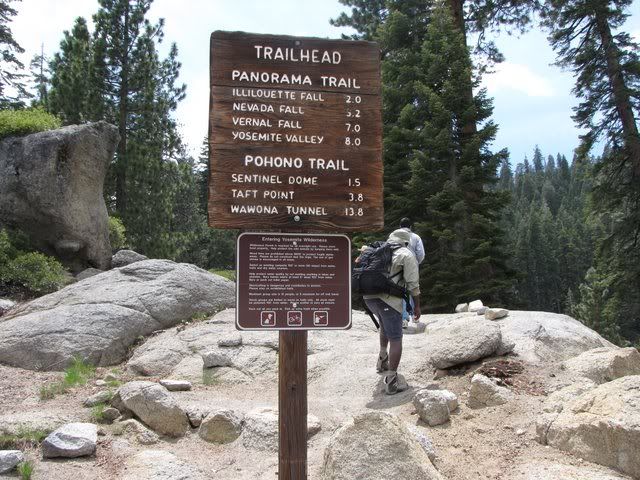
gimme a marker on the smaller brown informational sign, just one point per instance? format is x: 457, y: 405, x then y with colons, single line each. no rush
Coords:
x: 293, y: 282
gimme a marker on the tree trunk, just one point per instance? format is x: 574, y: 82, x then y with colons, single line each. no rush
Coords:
x: 121, y: 200
x: 620, y: 93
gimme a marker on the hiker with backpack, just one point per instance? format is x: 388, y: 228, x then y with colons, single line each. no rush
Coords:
x: 385, y: 274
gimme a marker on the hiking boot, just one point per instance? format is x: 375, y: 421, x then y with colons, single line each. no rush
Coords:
x: 391, y: 386
x: 382, y: 364
x: 405, y: 324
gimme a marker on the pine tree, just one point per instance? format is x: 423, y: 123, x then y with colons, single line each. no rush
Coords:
x: 40, y: 79
x: 11, y: 76
x: 588, y: 38
x: 73, y: 95
x: 448, y: 192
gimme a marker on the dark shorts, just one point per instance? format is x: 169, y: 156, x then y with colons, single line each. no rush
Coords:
x: 390, y: 319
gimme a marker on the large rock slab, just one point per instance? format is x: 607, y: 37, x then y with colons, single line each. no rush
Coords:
x: 228, y: 353
x: 464, y: 339
x: 70, y: 441
x: 155, y: 406
x: 99, y: 318
x: 601, y: 426
x: 159, y: 465
x: 51, y: 188
x: 376, y: 446
x: 605, y: 364
x: 541, y: 337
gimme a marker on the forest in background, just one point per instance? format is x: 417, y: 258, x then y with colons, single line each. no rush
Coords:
x: 546, y: 234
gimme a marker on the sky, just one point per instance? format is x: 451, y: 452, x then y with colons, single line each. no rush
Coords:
x: 532, y: 99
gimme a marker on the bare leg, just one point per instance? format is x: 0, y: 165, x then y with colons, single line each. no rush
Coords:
x: 395, y: 352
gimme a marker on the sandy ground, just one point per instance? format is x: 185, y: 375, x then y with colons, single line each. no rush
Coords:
x: 495, y: 443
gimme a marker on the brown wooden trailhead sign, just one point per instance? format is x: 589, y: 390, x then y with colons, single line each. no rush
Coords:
x: 293, y: 281
x: 295, y: 145
x: 295, y: 134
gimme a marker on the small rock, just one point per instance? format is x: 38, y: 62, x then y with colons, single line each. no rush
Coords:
x: 9, y: 459
x: 481, y: 310
x: 485, y: 393
x: 462, y: 307
x: 230, y: 341
x: 6, y: 305
x: 153, y: 404
x: 520, y: 432
x: 110, y: 414
x: 495, y: 313
x: 101, y: 383
x: 141, y: 434
x: 221, y: 426
x: 176, y: 385
x: 313, y: 425
x: 126, y: 257
x: 195, y: 417
x: 101, y: 397
x: 475, y: 305
x: 435, y: 406
x: 71, y: 440
x: 216, y: 358
x: 414, y: 328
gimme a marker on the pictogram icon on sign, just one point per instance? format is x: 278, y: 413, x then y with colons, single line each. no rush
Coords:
x: 294, y: 319
x: 321, y: 318
x: 268, y: 319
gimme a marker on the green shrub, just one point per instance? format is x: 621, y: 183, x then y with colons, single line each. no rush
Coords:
x: 228, y: 274
x: 25, y: 469
x: 27, y: 273
x: 23, y: 122
x: 117, y: 234
x: 35, y: 272
x: 78, y: 373
x: 23, y: 438
x: 97, y: 412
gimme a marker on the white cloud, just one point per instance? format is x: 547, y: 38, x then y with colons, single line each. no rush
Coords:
x: 518, y: 77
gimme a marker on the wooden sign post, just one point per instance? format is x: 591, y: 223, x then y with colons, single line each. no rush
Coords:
x: 295, y: 145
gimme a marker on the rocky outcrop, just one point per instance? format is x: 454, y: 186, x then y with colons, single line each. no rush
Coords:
x: 541, y: 337
x: 99, y: 318
x: 51, y: 189
x: 71, y: 440
x: 605, y: 364
x: 260, y: 429
x: 376, y: 446
x: 464, y: 339
x: 155, y: 406
x: 601, y: 426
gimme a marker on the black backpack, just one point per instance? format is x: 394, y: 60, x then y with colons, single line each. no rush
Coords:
x: 370, y: 276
